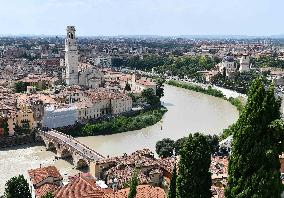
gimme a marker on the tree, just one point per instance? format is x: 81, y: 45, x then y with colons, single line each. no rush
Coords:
x: 194, y: 178
x: 134, y: 98
x: 48, y: 195
x: 165, y: 147
x: 150, y: 97
x: 160, y: 87
x: 179, y: 144
x: 214, y: 143
x: 17, y: 187
x: 172, y: 191
x: 5, y: 127
x: 21, y: 86
x: 257, y: 142
x: 127, y: 87
x: 133, y: 185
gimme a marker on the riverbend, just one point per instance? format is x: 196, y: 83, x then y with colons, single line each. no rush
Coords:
x: 188, y: 112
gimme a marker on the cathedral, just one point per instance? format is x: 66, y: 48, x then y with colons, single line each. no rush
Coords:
x: 76, y: 73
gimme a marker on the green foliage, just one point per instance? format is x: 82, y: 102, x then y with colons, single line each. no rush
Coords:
x: 150, y: 97
x: 187, y: 65
x: 127, y: 87
x: 214, y: 143
x: 48, y: 195
x: 227, y: 132
x: 5, y: 127
x: 133, y: 185
x: 173, y: 192
x: 194, y: 178
x: 24, y: 129
x: 209, y: 91
x: 257, y: 142
x: 134, y: 98
x: 145, y: 63
x: 160, y: 87
x: 165, y: 147
x: 179, y: 144
x: 269, y: 61
x: 178, y: 66
x: 17, y: 187
x: 240, y: 83
x: 237, y: 103
x: 21, y: 87
x: 118, y: 124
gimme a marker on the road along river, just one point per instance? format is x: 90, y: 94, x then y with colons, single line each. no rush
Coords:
x: 188, y: 112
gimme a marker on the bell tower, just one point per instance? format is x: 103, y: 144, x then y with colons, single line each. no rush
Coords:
x: 71, y: 57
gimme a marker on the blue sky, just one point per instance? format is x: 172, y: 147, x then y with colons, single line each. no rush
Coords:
x: 143, y: 17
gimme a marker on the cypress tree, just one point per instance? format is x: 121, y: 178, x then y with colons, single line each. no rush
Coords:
x: 172, y: 191
x: 254, y: 164
x: 194, y: 178
x: 133, y: 185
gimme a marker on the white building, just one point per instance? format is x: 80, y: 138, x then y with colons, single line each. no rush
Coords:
x: 103, y: 61
x: 55, y: 117
x: 120, y: 104
x: 244, y: 63
x: 228, y: 65
x: 98, y: 105
x: 138, y: 85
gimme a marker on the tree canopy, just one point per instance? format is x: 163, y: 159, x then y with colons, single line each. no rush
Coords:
x: 150, y: 97
x: 165, y: 147
x: 17, y: 187
x: 160, y: 87
x: 194, y: 178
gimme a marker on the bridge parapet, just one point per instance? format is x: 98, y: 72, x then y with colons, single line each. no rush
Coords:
x: 66, y: 144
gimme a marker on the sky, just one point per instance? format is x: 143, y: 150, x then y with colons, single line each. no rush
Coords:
x: 143, y: 17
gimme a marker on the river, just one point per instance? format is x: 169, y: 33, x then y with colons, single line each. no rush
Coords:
x: 188, y: 112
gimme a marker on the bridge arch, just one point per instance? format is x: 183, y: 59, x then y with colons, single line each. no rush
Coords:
x: 51, y: 146
x: 82, y: 163
x: 65, y: 153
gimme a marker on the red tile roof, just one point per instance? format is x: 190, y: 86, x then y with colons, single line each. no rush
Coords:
x: 143, y: 191
x: 45, y: 188
x: 81, y: 187
x: 40, y: 174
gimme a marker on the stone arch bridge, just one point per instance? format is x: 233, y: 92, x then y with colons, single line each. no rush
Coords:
x: 66, y: 146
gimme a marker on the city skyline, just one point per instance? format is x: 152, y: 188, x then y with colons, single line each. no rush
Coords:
x: 125, y: 17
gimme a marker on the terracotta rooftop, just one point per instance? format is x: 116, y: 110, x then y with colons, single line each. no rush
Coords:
x: 143, y: 191
x: 80, y: 187
x: 45, y: 188
x: 39, y: 174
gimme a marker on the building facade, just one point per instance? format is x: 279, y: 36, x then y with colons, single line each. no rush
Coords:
x: 55, y: 117
x: 244, y: 63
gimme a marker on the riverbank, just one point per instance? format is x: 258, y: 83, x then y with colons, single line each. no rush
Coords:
x: 209, y: 91
x: 16, y: 140
x: 117, y: 124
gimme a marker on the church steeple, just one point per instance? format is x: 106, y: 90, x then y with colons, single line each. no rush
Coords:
x: 71, y: 57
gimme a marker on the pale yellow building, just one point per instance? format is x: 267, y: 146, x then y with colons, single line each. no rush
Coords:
x: 24, y: 115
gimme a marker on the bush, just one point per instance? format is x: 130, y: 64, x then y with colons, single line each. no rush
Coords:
x: 209, y: 91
